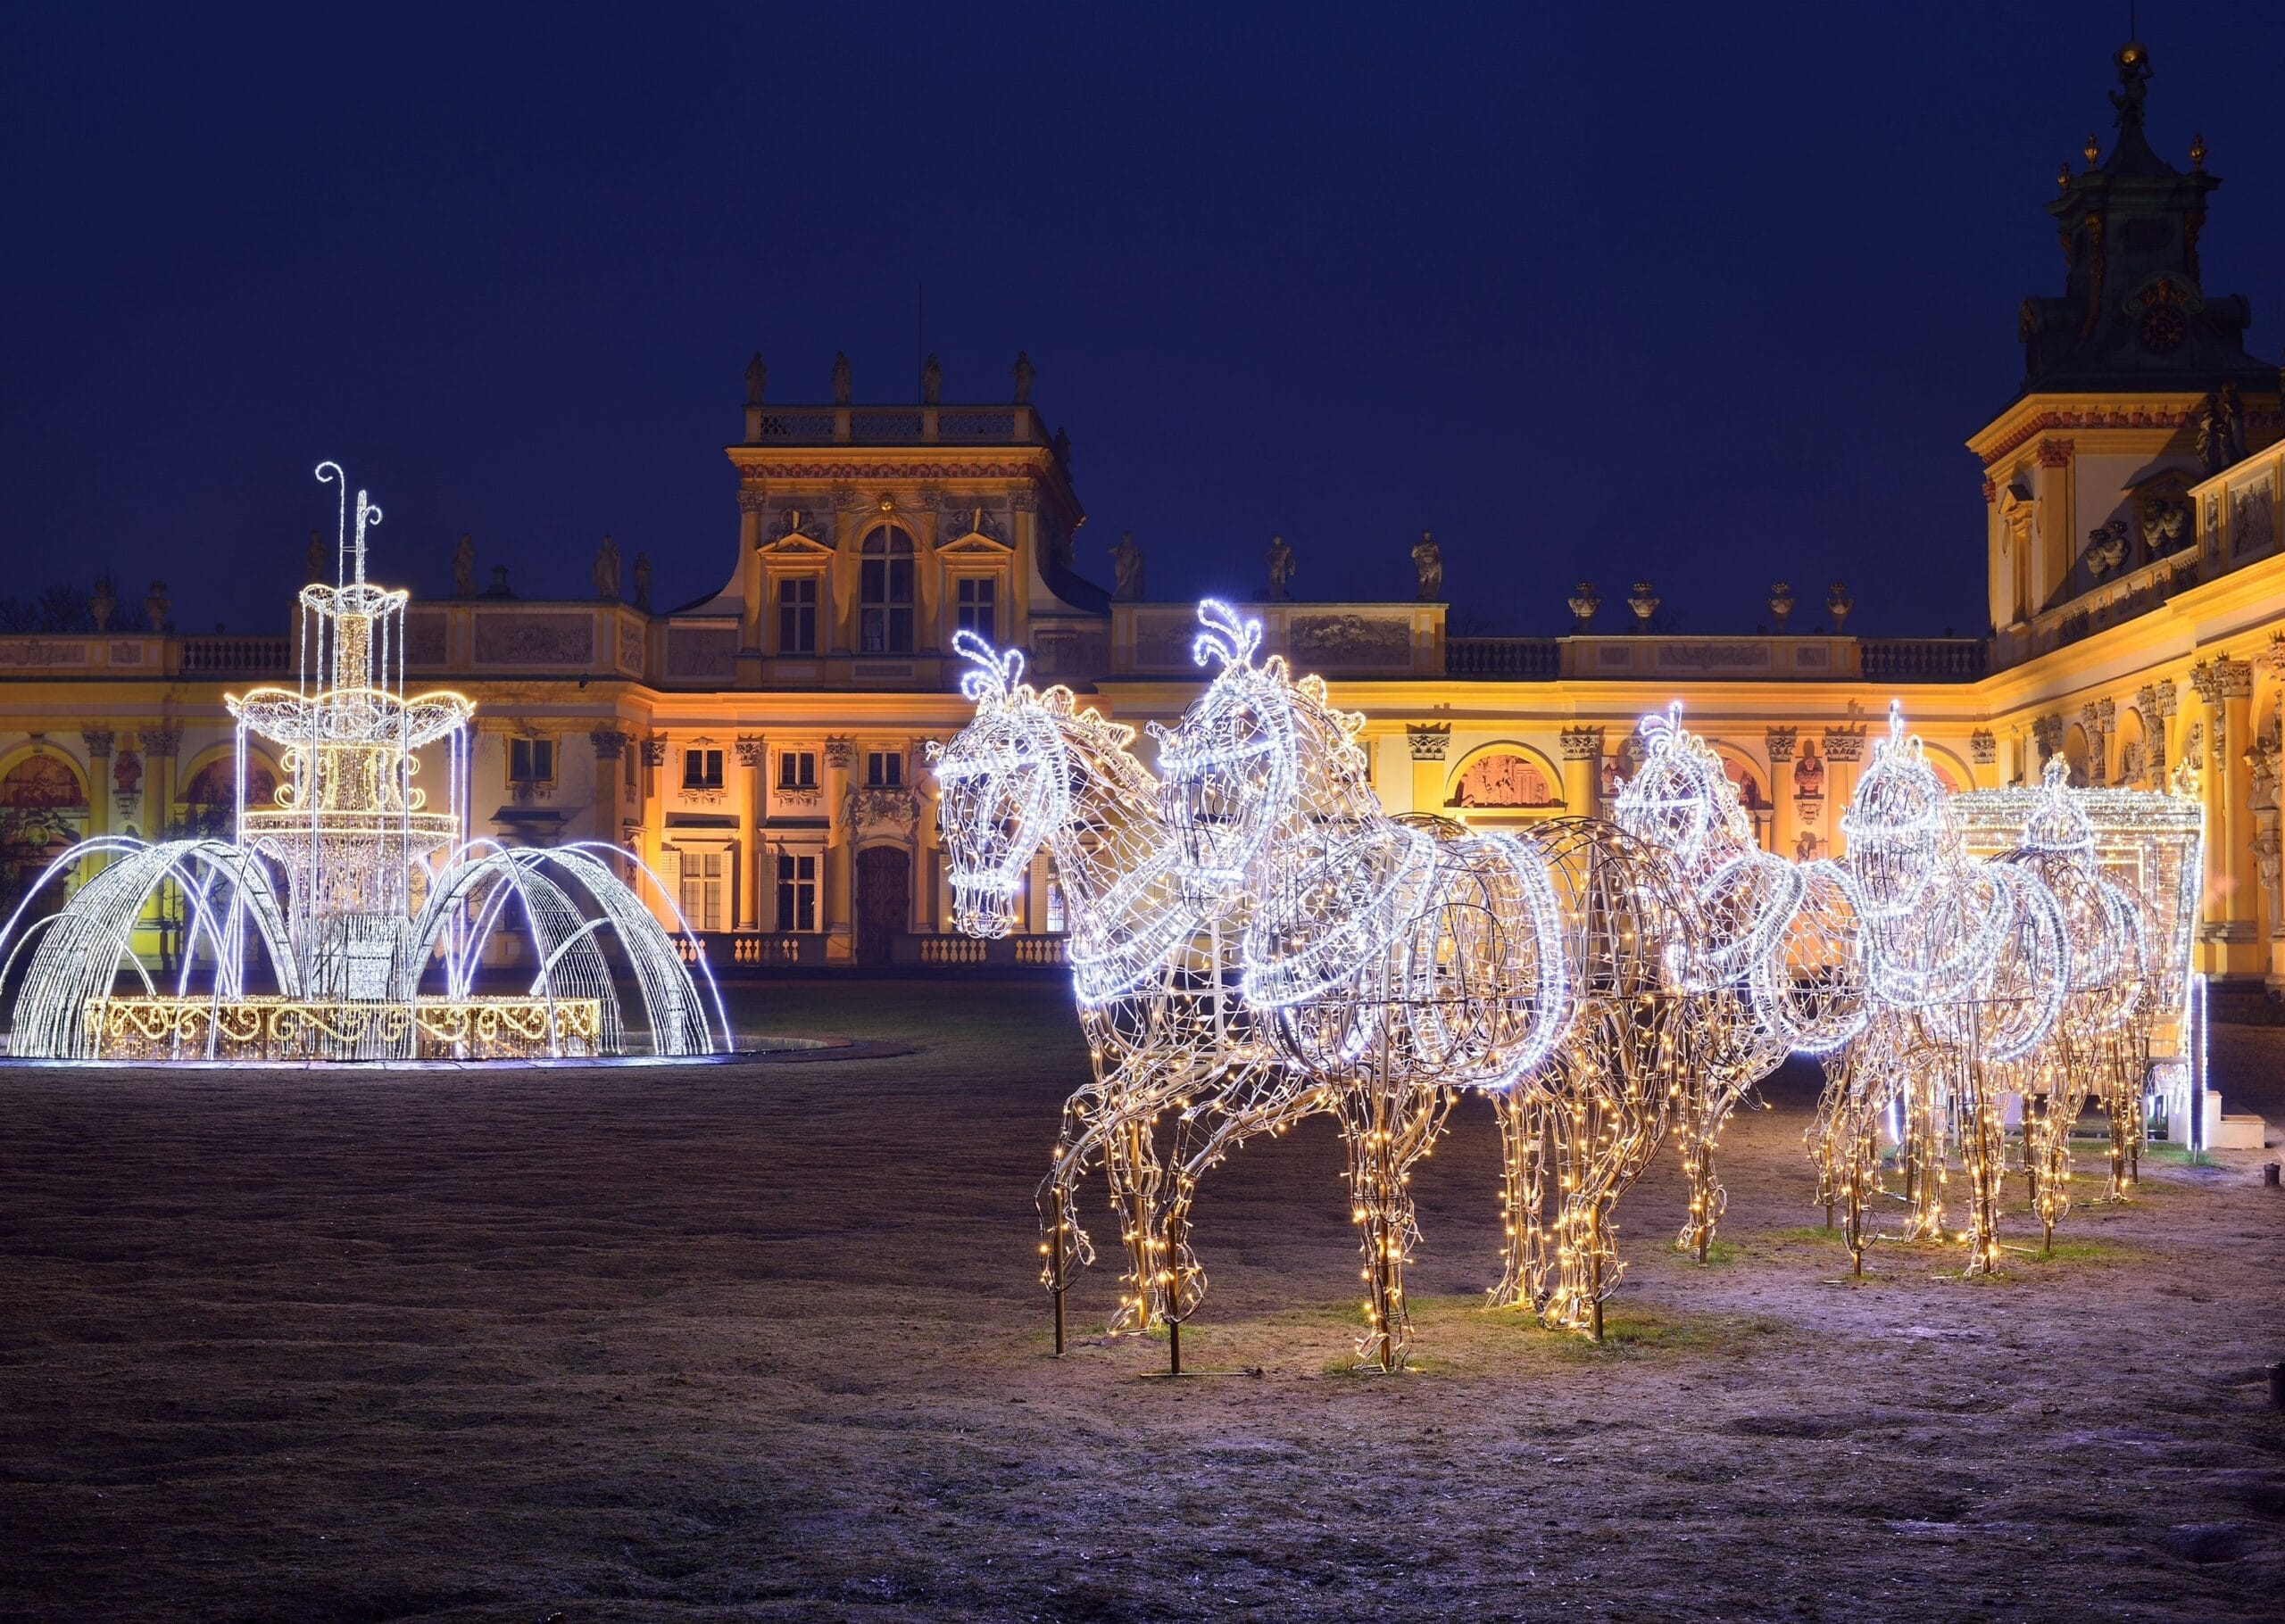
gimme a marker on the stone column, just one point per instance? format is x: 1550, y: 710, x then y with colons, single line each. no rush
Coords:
x: 610, y: 748
x: 649, y: 843
x: 1844, y: 747
x: 753, y: 761
x: 162, y: 743
x: 836, y: 903
x: 1785, y: 828
x: 1583, y: 769
x: 98, y: 740
x: 2156, y: 702
x: 2100, y: 717
x: 2225, y: 685
x: 1430, y: 742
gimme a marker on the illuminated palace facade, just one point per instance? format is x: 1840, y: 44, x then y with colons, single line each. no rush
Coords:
x: 762, y: 748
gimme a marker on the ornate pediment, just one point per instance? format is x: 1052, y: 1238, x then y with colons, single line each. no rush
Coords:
x: 971, y: 530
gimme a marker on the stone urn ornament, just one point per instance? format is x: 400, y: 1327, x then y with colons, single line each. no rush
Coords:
x: 1584, y: 603
x: 1644, y: 603
x: 1780, y: 604
x: 1838, y: 603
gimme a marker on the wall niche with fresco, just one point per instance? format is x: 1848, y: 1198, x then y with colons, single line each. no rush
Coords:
x: 1500, y: 780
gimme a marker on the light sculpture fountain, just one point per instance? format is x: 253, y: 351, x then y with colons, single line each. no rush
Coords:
x: 353, y: 890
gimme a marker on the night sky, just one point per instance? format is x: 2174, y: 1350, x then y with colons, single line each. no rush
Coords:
x: 1710, y: 295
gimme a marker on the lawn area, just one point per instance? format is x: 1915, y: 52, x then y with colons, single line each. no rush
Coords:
x: 764, y: 1341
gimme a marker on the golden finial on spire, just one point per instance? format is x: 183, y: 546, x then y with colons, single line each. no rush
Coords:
x: 2094, y: 149
x: 2198, y: 151
x: 2062, y: 176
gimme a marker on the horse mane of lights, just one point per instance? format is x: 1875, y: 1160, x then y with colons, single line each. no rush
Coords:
x: 355, y: 890
x: 1255, y: 941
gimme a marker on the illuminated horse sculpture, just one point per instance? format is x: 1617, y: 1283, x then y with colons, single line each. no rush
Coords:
x: 2092, y: 1046
x: 1966, y: 965
x: 1392, y: 963
x: 1775, y: 967
x: 1155, y: 981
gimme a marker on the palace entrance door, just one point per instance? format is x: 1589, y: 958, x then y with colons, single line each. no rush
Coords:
x: 883, y: 900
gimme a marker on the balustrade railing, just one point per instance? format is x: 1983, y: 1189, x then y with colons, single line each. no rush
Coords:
x: 1924, y: 659
x: 924, y: 425
x: 228, y: 656
x: 1521, y: 657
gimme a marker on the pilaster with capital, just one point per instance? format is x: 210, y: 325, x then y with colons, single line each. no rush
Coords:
x: 1583, y: 769
x: 100, y: 790
x: 753, y: 761
x: 2224, y: 686
x: 1844, y: 752
x: 610, y: 746
x: 1784, y: 744
x: 162, y: 743
x: 1428, y: 742
x: 836, y: 900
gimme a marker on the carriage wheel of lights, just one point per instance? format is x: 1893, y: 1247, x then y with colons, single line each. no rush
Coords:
x: 1155, y: 980
x: 1681, y: 800
x: 351, y: 887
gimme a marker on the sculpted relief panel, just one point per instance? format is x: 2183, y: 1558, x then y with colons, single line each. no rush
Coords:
x: 534, y: 639
x: 1349, y: 640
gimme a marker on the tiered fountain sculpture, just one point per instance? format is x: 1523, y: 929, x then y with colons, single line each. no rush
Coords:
x: 355, y: 890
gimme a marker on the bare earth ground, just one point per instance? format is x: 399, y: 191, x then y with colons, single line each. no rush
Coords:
x: 764, y: 1343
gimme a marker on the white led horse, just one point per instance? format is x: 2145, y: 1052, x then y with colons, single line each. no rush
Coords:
x: 1967, y: 964
x: 2092, y: 1048
x: 1395, y: 960
x: 1156, y: 980
x: 1681, y: 799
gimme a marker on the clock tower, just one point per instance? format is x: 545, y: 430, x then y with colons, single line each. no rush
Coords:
x: 2136, y: 385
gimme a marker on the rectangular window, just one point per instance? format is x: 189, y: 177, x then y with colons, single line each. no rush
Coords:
x: 701, y: 769
x: 531, y: 761
x: 797, y: 769
x: 704, y: 878
x: 884, y: 769
x: 797, y: 616
x: 797, y: 892
x: 976, y: 605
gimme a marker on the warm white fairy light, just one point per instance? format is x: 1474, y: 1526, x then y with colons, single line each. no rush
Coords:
x: 352, y: 887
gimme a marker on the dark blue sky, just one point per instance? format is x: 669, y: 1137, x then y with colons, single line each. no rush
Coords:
x: 1710, y: 295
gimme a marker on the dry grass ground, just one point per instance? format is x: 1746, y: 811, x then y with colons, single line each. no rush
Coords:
x: 764, y: 1343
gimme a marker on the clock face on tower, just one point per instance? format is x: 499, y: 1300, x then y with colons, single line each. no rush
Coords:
x: 2162, y: 329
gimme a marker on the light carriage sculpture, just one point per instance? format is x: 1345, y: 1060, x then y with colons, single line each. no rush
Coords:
x: 355, y: 892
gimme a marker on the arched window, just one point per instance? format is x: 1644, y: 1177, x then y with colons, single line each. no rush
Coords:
x: 885, y: 592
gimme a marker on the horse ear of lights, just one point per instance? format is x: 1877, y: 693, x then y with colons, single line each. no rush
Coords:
x: 355, y: 890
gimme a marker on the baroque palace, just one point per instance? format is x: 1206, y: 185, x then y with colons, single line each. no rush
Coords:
x: 762, y: 749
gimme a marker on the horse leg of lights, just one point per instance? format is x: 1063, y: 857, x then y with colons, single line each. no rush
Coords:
x: 1521, y: 1174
